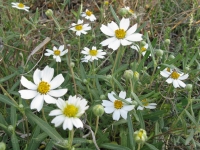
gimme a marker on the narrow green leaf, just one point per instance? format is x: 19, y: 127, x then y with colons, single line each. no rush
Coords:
x: 191, y: 117
x: 142, y: 124
x: 130, y: 132
x: 2, y: 119
x: 15, y: 142
x: 151, y: 146
x: 118, y: 84
x: 190, y: 137
x: 98, y: 86
x: 8, y: 77
x: 45, y: 127
x: 49, y: 145
x: 114, y: 14
x: 136, y: 98
x: 114, y: 146
x: 121, y: 68
x: 82, y: 71
x: 13, y: 118
x: 35, y: 142
x: 104, y: 70
x: 6, y: 100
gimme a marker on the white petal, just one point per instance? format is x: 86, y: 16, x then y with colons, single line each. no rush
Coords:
x: 169, y: 80
x: 77, y: 122
x: 140, y: 108
x: 61, y: 48
x: 131, y: 30
x: 64, y: 52
x: 109, y: 110
x: 114, y: 45
x: 108, y: 41
x: 116, y: 115
x: 107, y: 103
x: 124, y: 42
x: 181, y: 83
x: 57, y: 93
x: 47, y: 74
x: 37, y: 76
x: 107, y: 31
x: 55, y: 112
x: 124, y: 24
x: 61, y: 103
x: 165, y: 74
x: 37, y: 102
x: 58, y: 59
x: 128, y: 107
x: 28, y: 84
x: 122, y: 94
x: 175, y: 83
x: 113, y: 26
x: 58, y: 120
x: 57, y: 81
x: 28, y: 94
x: 111, y: 97
x: 183, y: 77
x: 49, y: 100
x: 135, y: 47
x: 67, y: 124
x: 134, y: 37
x: 150, y: 107
x: 123, y: 113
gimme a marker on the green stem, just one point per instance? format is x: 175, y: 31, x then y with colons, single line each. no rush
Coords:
x: 97, y: 125
x: 138, y: 146
x: 89, y: 91
x: 116, y: 60
x: 131, y: 83
x: 72, y: 72
x: 43, y: 115
x: 71, y: 136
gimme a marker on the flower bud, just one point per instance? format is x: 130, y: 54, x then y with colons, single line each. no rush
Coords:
x: 188, y: 87
x: 128, y: 74
x: 140, y: 136
x: 136, y: 75
x: 159, y: 52
x: 109, y: 77
x: 11, y: 128
x: 2, y: 146
x: 167, y: 41
x: 106, y: 3
x: 187, y: 68
x: 171, y: 57
x: 134, y: 103
x: 123, y: 12
x: 85, y: 81
x: 102, y: 97
x: 98, y: 110
x: 72, y: 64
x: 49, y: 13
x: 143, y: 43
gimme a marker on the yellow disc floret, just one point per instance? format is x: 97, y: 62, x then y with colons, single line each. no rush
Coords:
x: 120, y: 33
x: 93, y: 52
x: 78, y: 27
x: 143, y: 49
x: 70, y: 111
x: 140, y: 134
x: 118, y: 104
x: 57, y: 52
x: 145, y: 102
x: 175, y: 75
x: 43, y: 87
x: 88, y: 13
x: 20, y: 5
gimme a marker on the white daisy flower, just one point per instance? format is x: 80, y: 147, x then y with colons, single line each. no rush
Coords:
x: 142, y: 49
x: 43, y: 88
x: 80, y: 27
x: 88, y: 15
x: 129, y: 10
x: 69, y: 112
x: 117, y: 107
x: 92, y: 54
x: 174, y: 77
x: 146, y: 104
x: 20, y: 6
x: 120, y: 34
x: 56, y: 52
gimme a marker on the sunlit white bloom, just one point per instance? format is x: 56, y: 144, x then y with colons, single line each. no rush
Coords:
x: 146, y: 104
x: 117, y: 107
x: 120, y: 35
x: 69, y: 112
x: 80, y: 27
x: 92, y: 54
x: 56, y: 52
x: 20, y: 6
x: 43, y: 88
x: 88, y: 15
x: 142, y: 49
x: 174, y: 77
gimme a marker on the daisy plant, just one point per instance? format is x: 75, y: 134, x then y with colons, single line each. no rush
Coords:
x: 141, y: 49
x: 56, y: 52
x: 88, y: 15
x: 43, y: 88
x: 120, y: 34
x: 174, y: 77
x: 92, y: 54
x: 116, y: 106
x: 80, y: 28
x: 20, y: 6
x: 147, y: 105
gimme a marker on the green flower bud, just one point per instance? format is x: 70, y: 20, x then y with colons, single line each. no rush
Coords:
x: 72, y: 64
x: 2, y: 146
x: 159, y: 52
x: 98, y: 110
x: 136, y: 75
x: 134, y: 103
x: 123, y: 12
x: 143, y: 43
x: 11, y: 128
x: 140, y: 136
x: 49, y: 13
x: 21, y: 106
x: 102, y: 97
x: 188, y: 87
x: 85, y: 81
x: 171, y: 57
x: 167, y: 41
x: 128, y: 74
x: 109, y: 77
x: 187, y: 68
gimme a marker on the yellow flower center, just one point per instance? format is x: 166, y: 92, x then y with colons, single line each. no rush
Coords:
x: 175, y: 75
x: 143, y: 49
x: 57, y: 52
x: 70, y: 111
x: 93, y: 52
x: 78, y: 27
x: 88, y: 13
x: 106, y: 2
x: 145, y: 102
x: 20, y: 5
x: 140, y: 134
x: 118, y: 104
x: 120, y: 33
x: 43, y: 87
x: 131, y: 11
x: 168, y: 69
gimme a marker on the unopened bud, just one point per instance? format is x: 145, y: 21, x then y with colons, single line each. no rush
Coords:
x: 109, y: 77
x: 98, y: 110
x: 10, y: 128
x: 123, y: 12
x: 159, y: 52
x: 102, y: 97
x: 128, y: 74
x: 72, y: 64
x: 171, y: 57
x: 140, y: 136
x: 167, y: 41
x: 2, y: 146
x: 188, y: 87
x: 49, y: 13
x: 136, y: 75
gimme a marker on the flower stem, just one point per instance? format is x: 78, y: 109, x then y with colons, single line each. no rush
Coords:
x: 71, y: 136
x: 43, y: 115
x: 97, y: 125
x: 138, y: 146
